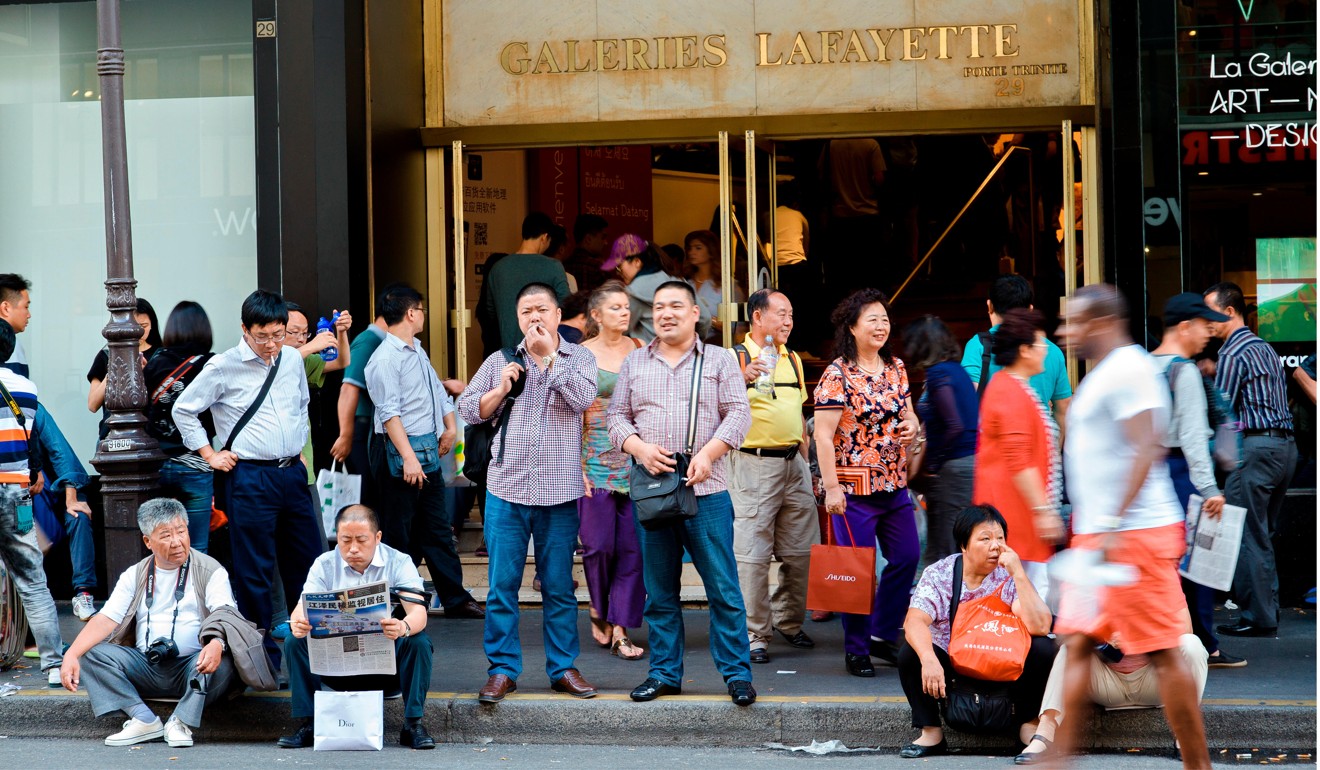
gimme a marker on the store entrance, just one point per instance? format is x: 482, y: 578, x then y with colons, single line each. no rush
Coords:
x: 930, y: 219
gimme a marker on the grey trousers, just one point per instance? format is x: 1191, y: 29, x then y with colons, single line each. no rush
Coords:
x: 1260, y: 486
x: 22, y: 558
x: 119, y: 677
x: 950, y: 492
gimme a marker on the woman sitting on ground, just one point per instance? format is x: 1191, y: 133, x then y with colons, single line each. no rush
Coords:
x: 989, y: 566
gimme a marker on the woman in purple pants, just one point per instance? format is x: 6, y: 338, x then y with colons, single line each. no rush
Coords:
x: 611, y: 555
x: 865, y: 424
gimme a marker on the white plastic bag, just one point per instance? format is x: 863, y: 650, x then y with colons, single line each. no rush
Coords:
x: 334, y: 490
x: 349, y: 721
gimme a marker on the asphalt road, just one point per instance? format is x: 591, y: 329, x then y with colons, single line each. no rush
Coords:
x: 58, y: 753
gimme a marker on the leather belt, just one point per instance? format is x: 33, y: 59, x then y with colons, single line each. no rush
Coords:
x: 283, y: 463
x: 780, y: 452
x: 1271, y: 432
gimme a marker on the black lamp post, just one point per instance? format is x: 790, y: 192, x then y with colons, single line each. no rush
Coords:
x: 128, y: 459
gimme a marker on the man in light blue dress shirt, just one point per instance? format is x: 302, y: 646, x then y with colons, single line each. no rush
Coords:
x: 261, y: 482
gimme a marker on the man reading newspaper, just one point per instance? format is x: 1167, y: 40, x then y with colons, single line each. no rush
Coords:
x: 350, y: 588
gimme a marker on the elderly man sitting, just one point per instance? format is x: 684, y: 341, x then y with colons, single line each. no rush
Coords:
x: 145, y: 642
x: 361, y: 559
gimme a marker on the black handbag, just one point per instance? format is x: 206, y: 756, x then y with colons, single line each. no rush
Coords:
x: 479, y: 439
x: 972, y: 705
x: 662, y: 500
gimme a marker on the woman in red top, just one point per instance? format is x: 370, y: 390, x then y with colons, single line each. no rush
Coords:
x: 1018, y: 468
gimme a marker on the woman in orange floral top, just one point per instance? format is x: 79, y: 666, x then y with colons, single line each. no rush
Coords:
x: 865, y: 426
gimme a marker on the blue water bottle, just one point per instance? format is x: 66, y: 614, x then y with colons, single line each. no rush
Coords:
x: 331, y: 353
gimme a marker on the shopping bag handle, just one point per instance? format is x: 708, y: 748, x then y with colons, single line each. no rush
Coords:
x: 829, y: 526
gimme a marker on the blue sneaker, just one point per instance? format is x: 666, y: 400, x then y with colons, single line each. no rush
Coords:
x: 280, y: 632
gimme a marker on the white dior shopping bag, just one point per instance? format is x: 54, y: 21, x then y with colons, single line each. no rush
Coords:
x: 349, y: 721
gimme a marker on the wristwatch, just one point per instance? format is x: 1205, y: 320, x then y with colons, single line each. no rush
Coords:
x: 546, y: 361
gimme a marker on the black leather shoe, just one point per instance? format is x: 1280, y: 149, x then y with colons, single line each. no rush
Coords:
x: 885, y: 651
x: 653, y: 688
x: 302, y: 739
x: 1247, y: 629
x: 913, y: 751
x: 417, y: 737
x: 759, y: 655
x: 859, y: 665
x: 799, y: 640
x: 742, y: 693
x: 469, y: 610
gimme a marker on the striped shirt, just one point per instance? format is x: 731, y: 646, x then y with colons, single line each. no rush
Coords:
x: 1251, y: 377
x: 403, y: 384
x: 13, y: 437
x: 228, y: 385
x: 652, y: 397
x: 543, y: 461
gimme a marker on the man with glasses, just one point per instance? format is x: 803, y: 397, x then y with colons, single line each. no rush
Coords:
x: 257, y: 394
x: 416, y: 426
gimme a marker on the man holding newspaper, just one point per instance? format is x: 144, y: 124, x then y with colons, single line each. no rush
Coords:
x: 358, y: 577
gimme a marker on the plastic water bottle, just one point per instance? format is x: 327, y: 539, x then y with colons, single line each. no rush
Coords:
x: 330, y: 353
x: 765, y: 382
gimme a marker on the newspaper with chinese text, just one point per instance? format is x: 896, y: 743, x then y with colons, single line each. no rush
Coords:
x: 346, y: 638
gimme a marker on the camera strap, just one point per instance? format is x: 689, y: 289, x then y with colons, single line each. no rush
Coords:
x: 179, y: 585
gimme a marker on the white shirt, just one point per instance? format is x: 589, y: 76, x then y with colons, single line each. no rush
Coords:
x: 1097, y: 456
x: 389, y: 566
x: 402, y: 383
x: 218, y: 594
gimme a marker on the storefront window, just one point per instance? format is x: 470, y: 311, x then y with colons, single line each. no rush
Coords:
x: 192, y: 161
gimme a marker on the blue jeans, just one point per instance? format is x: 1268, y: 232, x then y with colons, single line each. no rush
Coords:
x: 50, y: 512
x: 195, y: 489
x: 709, y: 539
x: 554, y: 529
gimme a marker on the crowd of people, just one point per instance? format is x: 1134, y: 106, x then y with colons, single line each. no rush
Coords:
x: 583, y: 411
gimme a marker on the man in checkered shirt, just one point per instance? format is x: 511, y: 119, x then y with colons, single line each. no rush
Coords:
x: 648, y: 419
x: 533, y: 485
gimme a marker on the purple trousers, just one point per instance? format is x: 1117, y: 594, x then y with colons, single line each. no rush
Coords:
x: 612, y: 557
x: 889, y: 518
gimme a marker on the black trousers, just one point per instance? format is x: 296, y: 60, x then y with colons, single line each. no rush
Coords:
x: 1025, y: 693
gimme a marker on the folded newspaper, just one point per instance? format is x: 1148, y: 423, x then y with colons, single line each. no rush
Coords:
x: 346, y: 638
x: 1212, y: 545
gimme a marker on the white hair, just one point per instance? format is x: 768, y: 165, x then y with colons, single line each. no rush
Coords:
x: 161, y: 510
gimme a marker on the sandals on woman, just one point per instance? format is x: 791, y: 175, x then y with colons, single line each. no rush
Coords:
x: 624, y: 648
x: 1035, y: 756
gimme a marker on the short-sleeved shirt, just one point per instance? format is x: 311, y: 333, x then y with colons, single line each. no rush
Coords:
x: 1098, y: 456
x: 872, y: 406
x: 934, y: 594
x: 154, y: 622
x: 509, y: 276
x: 394, y: 568
x: 360, y: 355
x: 776, y: 422
x: 1051, y: 385
x: 315, y: 368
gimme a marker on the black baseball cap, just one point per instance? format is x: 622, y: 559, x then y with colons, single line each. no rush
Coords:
x: 1186, y: 306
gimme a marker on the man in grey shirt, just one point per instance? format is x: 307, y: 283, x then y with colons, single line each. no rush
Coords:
x: 261, y: 482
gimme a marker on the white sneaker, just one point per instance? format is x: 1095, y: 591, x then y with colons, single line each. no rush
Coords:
x: 83, y: 608
x: 177, y: 734
x: 136, y: 731
x: 53, y: 678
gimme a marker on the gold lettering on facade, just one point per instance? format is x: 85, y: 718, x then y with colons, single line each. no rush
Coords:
x: 881, y: 41
x: 911, y: 42
x: 634, y: 54
x: 854, y: 47
x: 687, y: 51
x: 829, y: 45
x: 764, y: 39
x: 942, y: 36
x: 976, y: 30
x: 606, y: 48
x: 714, y: 45
x: 547, y: 58
x: 1002, y: 42
x: 572, y: 46
x: 661, y: 49
x: 511, y: 65
x: 800, y: 49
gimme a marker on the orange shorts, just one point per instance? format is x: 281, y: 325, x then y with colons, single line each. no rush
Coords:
x: 1150, y: 614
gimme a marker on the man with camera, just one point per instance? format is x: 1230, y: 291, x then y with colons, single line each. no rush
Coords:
x: 145, y: 642
x: 648, y: 419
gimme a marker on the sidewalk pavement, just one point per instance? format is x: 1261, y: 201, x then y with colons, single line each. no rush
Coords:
x: 803, y: 695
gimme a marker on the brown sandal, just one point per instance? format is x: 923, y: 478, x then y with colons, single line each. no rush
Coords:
x: 620, y: 647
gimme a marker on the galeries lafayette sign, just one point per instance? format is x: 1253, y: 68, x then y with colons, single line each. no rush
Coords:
x: 564, y: 61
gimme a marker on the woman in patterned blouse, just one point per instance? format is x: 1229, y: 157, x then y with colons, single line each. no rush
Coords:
x: 611, y: 558
x: 865, y: 423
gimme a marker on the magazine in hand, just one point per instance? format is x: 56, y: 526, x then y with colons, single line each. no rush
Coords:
x: 346, y: 638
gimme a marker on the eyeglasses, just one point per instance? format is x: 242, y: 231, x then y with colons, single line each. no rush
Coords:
x: 266, y: 339
x: 298, y: 335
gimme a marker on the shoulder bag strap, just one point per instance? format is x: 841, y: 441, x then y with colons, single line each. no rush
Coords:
x: 13, y: 407
x: 510, y: 356
x: 957, y: 593
x: 692, y: 403
x: 173, y: 377
x: 985, y: 339
x: 252, y: 410
x: 744, y: 355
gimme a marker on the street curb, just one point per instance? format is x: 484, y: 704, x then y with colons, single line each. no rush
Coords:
x: 672, y: 721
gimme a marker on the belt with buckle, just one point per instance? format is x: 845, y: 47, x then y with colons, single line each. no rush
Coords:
x: 1271, y: 432
x: 780, y: 452
x: 286, y: 462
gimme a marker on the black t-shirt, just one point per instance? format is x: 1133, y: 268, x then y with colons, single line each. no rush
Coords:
x: 100, y: 366
x: 167, y: 375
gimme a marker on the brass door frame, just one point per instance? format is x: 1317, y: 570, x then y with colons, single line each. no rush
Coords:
x: 460, y: 318
x: 728, y: 310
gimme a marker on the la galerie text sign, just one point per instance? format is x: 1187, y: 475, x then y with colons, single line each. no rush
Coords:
x: 572, y: 61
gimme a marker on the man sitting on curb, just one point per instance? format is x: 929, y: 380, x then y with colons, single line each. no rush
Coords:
x: 160, y: 604
x: 361, y: 559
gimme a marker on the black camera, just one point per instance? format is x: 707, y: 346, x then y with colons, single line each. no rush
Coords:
x: 161, y: 650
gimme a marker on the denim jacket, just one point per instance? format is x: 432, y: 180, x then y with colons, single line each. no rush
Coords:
x: 58, y: 461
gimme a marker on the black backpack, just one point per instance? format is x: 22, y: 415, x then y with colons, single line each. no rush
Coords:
x: 479, y: 439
